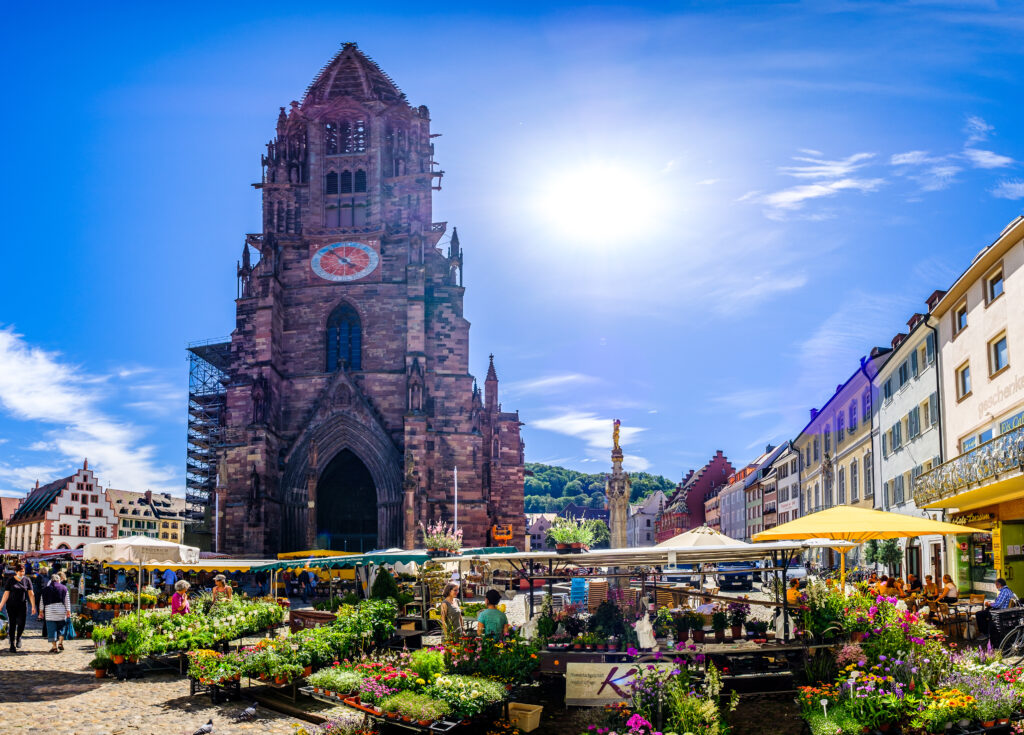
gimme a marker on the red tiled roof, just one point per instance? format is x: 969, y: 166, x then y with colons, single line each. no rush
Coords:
x: 39, y: 501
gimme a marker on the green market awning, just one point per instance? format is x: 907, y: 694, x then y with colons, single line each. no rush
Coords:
x: 380, y: 558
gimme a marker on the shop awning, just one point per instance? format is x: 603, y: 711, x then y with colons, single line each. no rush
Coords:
x: 203, y: 565
x: 314, y: 554
x: 379, y: 558
x: 992, y: 493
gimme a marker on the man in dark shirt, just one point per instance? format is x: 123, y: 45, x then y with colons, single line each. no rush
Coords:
x: 17, y: 594
x: 913, y: 583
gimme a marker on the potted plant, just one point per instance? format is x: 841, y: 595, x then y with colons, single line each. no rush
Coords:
x: 613, y: 643
x: 578, y: 643
x: 719, y: 621
x: 738, y: 613
x: 756, y: 629
x: 440, y: 539
x: 116, y: 651
x: 696, y: 625
x: 682, y: 623
x: 99, y: 665
x: 570, y: 535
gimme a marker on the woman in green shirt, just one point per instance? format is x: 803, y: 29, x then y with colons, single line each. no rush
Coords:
x: 491, y: 621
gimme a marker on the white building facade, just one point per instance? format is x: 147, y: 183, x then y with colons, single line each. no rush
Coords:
x: 786, y: 469
x: 642, y: 515
x: 909, y: 436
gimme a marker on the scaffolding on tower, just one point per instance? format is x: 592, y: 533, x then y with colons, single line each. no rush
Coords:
x: 208, y: 364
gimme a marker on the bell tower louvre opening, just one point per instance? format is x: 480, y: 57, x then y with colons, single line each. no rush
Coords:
x: 346, y: 508
x: 348, y: 401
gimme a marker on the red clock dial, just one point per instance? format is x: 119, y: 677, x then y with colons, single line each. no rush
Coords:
x: 344, y: 261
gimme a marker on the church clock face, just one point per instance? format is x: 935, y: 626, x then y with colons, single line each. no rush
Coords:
x: 344, y: 261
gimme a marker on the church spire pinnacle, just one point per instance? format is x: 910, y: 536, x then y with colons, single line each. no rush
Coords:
x: 491, y: 373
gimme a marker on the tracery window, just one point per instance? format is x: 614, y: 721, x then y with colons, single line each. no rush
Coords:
x: 344, y: 339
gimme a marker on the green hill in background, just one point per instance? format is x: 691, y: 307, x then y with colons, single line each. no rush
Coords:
x: 552, y: 488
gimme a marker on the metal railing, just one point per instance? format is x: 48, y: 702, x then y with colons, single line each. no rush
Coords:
x: 977, y: 467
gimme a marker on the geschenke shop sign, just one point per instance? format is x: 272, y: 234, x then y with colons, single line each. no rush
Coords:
x: 592, y: 685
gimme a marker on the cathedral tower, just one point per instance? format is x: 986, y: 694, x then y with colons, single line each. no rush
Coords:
x: 349, y: 398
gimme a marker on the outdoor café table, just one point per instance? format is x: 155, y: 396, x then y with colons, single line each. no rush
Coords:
x: 968, y: 608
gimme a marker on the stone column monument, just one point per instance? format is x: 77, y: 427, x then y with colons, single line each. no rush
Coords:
x: 617, y: 490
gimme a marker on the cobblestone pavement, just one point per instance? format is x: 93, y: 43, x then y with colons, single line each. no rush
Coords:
x: 56, y: 694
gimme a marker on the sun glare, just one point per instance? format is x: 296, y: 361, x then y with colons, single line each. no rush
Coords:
x: 601, y: 202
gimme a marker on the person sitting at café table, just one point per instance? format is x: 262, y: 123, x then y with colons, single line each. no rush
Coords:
x: 949, y: 592
x: 896, y: 585
x: 913, y: 583
x: 930, y: 589
x: 793, y: 593
x: 1002, y: 601
x: 873, y: 579
x: 707, y: 607
x: 882, y: 585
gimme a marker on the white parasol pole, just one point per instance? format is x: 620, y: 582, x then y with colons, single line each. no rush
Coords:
x: 456, y: 498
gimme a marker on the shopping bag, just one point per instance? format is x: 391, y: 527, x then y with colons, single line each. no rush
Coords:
x: 69, y: 633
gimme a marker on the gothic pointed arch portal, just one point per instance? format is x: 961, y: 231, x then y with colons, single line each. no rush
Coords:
x: 346, y: 505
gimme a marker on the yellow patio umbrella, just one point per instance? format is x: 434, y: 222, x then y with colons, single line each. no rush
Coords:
x: 848, y: 523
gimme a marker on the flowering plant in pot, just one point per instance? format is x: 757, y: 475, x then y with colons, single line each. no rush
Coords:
x: 441, y: 538
x: 99, y: 665
x: 738, y: 613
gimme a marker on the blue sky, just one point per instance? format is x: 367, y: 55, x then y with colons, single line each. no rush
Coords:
x: 693, y: 218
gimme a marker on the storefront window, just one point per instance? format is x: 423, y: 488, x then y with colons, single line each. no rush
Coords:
x: 977, y: 568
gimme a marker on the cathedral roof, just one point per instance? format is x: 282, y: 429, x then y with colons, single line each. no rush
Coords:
x: 351, y: 73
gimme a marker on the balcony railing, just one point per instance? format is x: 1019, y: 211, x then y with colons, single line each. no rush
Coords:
x: 985, y: 462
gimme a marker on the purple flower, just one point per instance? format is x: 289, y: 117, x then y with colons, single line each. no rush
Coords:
x: 631, y: 651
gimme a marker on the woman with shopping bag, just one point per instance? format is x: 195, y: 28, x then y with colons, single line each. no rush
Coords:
x: 56, y: 611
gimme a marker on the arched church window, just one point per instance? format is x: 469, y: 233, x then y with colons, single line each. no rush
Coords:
x: 495, y: 448
x: 344, y: 339
x: 346, y: 182
x: 331, y: 183
x: 360, y: 180
x: 280, y: 217
x: 331, y: 138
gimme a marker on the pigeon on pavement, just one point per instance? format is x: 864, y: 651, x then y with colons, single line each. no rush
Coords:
x: 205, y: 729
x: 249, y: 713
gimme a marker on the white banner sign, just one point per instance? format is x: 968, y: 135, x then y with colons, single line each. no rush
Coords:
x: 591, y: 685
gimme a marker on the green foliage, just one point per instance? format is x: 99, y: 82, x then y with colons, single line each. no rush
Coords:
x: 551, y: 488
x: 889, y: 554
x: 417, y: 707
x: 384, y: 586
x: 426, y: 662
x: 570, y: 531
x: 602, y: 536
x: 343, y: 681
x: 607, y: 620
x: 99, y: 662
x: 871, y: 552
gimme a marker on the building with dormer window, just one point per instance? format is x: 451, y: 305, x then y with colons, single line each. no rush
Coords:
x: 157, y: 515
x: 64, y: 514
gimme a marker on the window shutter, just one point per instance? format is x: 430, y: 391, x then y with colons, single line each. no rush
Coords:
x: 885, y: 448
x: 933, y: 407
x: 913, y: 363
x: 929, y: 348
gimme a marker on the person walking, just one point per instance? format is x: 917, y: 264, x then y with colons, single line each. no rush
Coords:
x: 17, y: 596
x: 303, y: 580
x: 179, y: 601
x: 170, y: 578
x: 261, y: 582
x: 56, y: 612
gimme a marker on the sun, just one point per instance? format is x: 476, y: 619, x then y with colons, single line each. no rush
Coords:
x: 601, y: 202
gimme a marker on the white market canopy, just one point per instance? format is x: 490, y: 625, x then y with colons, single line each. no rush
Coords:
x: 649, y: 556
x: 140, y: 550
x: 702, y: 537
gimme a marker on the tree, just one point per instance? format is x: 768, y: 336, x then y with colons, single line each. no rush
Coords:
x: 871, y: 552
x: 890, y: 554
x: 384, y: 586
x: 573, y: 487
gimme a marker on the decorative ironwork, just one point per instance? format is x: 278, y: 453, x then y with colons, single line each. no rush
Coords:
x: 980, y: 465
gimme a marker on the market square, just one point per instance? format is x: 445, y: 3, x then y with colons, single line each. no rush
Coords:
x: 746, y: 449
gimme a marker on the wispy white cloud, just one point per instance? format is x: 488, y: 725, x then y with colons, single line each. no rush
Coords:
x: 1009, y: 189
x: 548, y: 383
x: 796, y: 196
x: 40, y: 387
x: 977, y: 129
x: 596, y: 432
x: 987, y: 159
x: 821, y: 168
x: 911, y: 158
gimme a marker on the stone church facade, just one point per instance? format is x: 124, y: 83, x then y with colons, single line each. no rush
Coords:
x: 349, y: 400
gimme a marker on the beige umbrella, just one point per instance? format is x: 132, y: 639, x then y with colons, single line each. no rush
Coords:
x: 140, y: 550
x: 702, y: 536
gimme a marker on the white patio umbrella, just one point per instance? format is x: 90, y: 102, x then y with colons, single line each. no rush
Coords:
x: 140, y: 550
x: 702, y: 536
